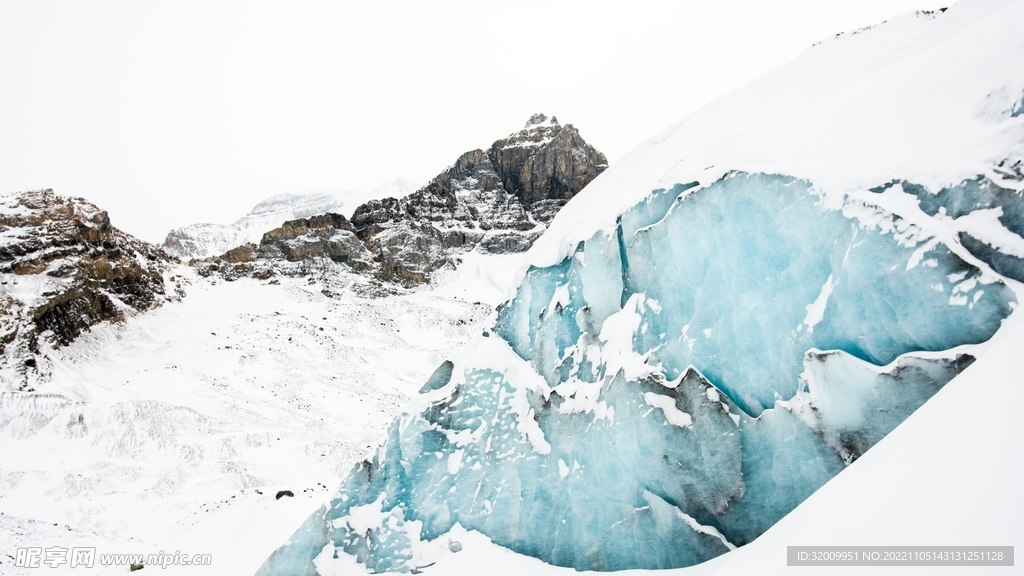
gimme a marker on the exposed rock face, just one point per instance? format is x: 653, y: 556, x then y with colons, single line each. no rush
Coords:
x: 205, y: 240
x: 545, y: 163
x: 289, y: 249
x: 499, y: 200
x: 325, y: 236
x: 64, y: 268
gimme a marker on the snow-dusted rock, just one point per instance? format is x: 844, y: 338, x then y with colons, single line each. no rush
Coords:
x: 64, y: 268
x: 205, y: 240
x: 499, y: 201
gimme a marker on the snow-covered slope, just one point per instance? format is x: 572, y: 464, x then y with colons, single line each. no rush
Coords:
x: 201, y: 411
x: 936, y: 97
x: 175, y: 429
x: 723, y: 321
x: 203, y: 240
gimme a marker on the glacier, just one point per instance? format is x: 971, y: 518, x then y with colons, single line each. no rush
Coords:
x: 730, y: 290
x: 671, y: 389
x: 723, y: 321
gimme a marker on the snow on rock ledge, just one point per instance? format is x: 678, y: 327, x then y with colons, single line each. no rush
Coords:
x: 64, y: 268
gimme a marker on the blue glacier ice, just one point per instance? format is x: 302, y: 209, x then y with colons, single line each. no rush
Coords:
x: 1006, y: 264
x: 979, y: 193
x: 671, y: 389
x: 441, y: 376
x: 733, y: 272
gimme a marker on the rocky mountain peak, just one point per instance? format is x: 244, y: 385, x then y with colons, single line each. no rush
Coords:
x: 545, y: 164
x: 540, y: 119
x: 495, y: 200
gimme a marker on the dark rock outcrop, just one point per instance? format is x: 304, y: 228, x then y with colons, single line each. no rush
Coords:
x: 289, y: 249
x: 499, y: 200
x: 325, y: 236
x: 64, y: 268
x: 545, y: 163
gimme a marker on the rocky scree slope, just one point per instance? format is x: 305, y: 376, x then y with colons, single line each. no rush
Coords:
x: 498, y: 200
x: 64, y: 268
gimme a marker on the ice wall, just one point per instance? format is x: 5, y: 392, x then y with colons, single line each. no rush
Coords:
x: 670, y: 390
x: 992, y: 214
x: 742, y: 278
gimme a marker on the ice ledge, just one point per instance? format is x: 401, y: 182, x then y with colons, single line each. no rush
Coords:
x: 957, y: 443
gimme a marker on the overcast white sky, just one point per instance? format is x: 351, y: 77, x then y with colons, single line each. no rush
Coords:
x: 171, y: 113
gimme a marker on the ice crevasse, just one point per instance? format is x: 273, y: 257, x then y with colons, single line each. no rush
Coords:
x: 672, y: 388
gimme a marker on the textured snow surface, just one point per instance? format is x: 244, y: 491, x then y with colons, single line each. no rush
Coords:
x: 723, y: 321
x: 176, y: 429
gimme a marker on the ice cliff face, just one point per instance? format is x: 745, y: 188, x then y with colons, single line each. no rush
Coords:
x: 64, y: 268
x: 673, y: 376
x: 740, y: 293
x: 499, y: 200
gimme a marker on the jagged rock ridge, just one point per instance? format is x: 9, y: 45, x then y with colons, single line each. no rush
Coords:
x: 64, y: 268
x: 499, y: 200
x: 205, y: 240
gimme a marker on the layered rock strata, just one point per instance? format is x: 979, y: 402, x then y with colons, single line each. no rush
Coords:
x: 497, y: 200
x: 63, y: 269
